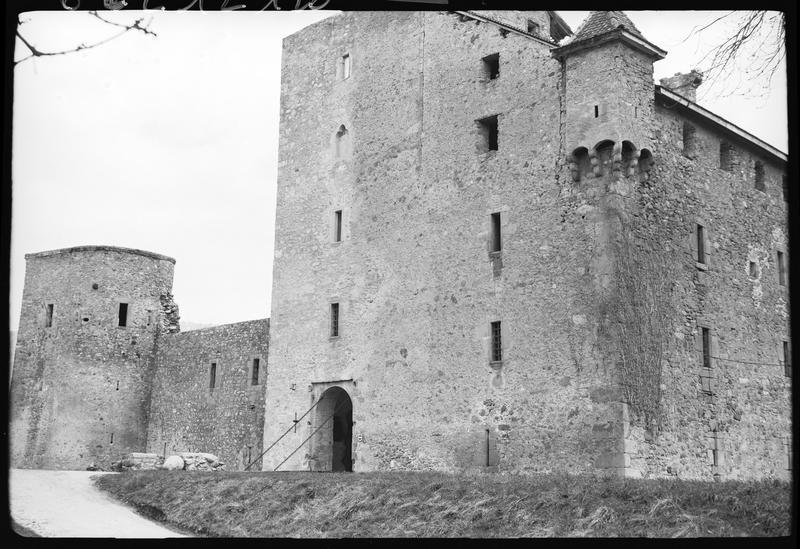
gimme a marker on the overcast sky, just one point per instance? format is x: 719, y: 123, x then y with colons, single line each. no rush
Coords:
x: 169, y: 143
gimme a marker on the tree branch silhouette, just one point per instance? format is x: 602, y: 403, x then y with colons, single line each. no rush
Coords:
x: 138, y: 25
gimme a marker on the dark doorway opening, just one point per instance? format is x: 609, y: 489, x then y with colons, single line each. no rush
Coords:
x: 334, y: 441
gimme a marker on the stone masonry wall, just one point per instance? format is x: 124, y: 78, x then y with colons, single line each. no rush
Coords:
x: 416, y: 285
x: 81, y: 387
x: 746, y: 417
x: 187, y: 415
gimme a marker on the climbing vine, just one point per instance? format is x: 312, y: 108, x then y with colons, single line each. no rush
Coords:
x: 637, y: 323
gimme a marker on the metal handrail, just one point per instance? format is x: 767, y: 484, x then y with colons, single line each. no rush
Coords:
x: 335, y: 411
x: 284, y: 434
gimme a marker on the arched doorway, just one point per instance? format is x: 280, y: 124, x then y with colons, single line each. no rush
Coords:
x: 333, y: 443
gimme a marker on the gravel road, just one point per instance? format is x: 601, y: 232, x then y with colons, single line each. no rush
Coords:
x: 66, y: 504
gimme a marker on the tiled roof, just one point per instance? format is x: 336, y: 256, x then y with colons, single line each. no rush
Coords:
x: 600, y: 22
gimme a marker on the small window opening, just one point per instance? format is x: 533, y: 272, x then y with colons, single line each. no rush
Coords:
x: 341, y: 135
x: 596, y: 111
x: 487, y: 128
x: 123, y: 314
x: 715, y: 457
x: 759, y: 176
x: 497, y: 342
x: 48, y: 320
x: 497, y: 241
x: 117, y: 385
x: 787, y: 365
x: 725, y: 156
x: 112, y: 439
x: 254, y: 376
x: 346, y: 66
x: 212, y: 377
x: 701, y: 244
x: 706, y: 333
x: 85, y: 319
x: 753, y: 269
x: 334, y: 320
x: 488, y: 449
x: 337, y: 226
x: 533, y: 27
x: 491, y: 66
x: 781, y: 269
x: 149, y: 317
x: 689, y: 140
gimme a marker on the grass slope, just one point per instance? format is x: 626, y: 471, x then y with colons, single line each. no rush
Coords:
x: 298, y: 504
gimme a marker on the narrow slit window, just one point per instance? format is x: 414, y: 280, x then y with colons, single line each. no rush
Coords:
x: 753, y: 269
x: 117, y: 385
x: 781, y: 269
x: 254, y: 375
x: 787, y: 365
x: 491, y: 66
x: 726, y: 156
x: 487, y: 130
x: 706, y: 334
x: 701, y: 244
x: 759, y: 176
x: 212, y: 376
x: 346, y: 65
x: 689, y: 136
x: 123, y: 314
x: 497, y: 241
x: 334, y: 320
x: 596, y: 111
x: 497, y: 342
x: 48, y: 320
x: 112, y: 439
x: 337, y: 226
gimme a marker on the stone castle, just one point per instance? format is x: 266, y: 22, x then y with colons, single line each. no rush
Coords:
x: 499, y: 247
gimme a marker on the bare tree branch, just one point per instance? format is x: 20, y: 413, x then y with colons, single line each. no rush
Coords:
x: 35, y: 52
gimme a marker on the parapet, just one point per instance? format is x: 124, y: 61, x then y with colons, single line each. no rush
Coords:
x: 134, y: 251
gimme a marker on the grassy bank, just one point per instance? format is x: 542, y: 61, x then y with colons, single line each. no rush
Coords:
x: 296, y: 504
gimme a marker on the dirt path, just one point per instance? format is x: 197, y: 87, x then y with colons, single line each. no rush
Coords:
x: 66, y: 504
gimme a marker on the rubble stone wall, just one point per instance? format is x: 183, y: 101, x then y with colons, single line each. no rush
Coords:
x: 81, y: 386
x: 187, y: 415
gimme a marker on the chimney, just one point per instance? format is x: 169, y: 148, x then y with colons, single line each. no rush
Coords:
x: 684, y: 84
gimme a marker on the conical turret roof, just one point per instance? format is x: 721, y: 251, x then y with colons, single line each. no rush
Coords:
x: 600, y: 22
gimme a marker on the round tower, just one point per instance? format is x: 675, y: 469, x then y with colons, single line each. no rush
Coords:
x: 90, y: 320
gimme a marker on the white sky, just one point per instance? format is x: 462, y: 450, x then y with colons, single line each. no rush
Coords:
x: 169, y: 143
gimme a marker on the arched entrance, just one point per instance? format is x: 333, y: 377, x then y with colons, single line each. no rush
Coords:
x: 333, y: 443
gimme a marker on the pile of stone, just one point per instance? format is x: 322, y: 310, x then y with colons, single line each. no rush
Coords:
x: 193, y: 461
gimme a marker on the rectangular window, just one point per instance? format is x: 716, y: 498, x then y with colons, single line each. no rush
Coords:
x: 337, y: 226
x: 497, y: 241
x: 781, y: 270
x: 726, y: 156
x: 48, y: 319
x: 123, y: 314
x: 759, y: 176
x: 487, y: 130
x: 596, y: 111
x: 706, y: 333
x: 787, y: 365
x: 345, y: 66
x: 497, y: 342
x: 212, y: 376
x: 753, y: 269
x: 254, y: 376
x: 334, y: 320
x: 701, y: 244
x: 491, y: 66
x: 689, y: 136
